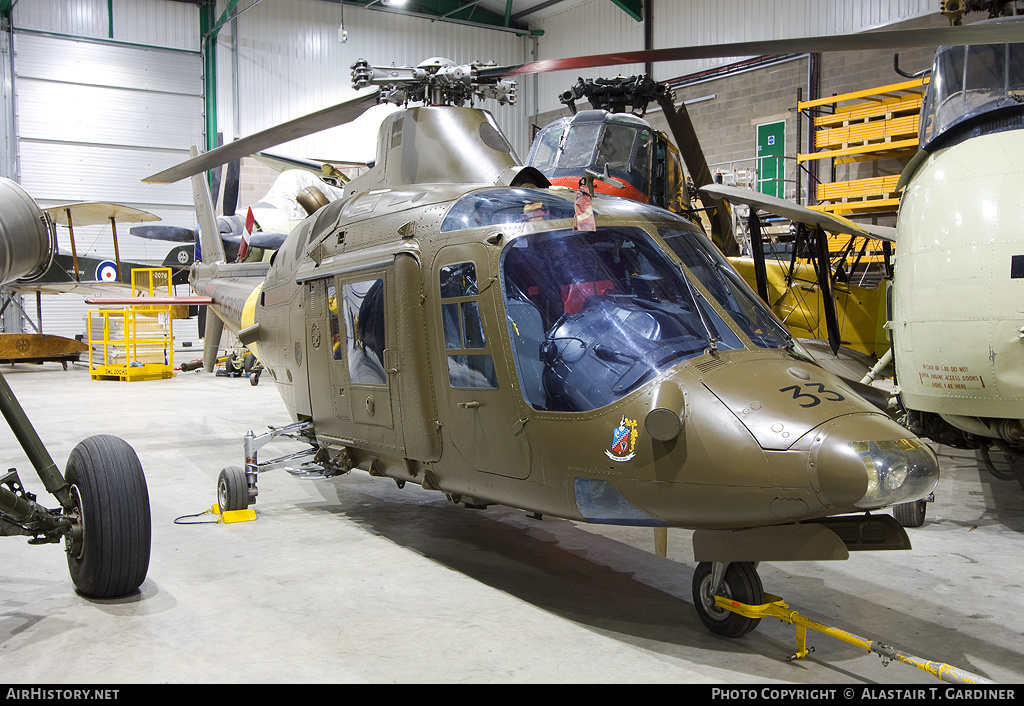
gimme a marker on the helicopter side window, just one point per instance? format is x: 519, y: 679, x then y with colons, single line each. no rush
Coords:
x: 458, y: 280
x: 984, y: 76
x: 578, y: 146
x: 363, y: 307
x: 337, y: 347
x: 676, y: 184
x: 943, y: 104
x: 1015, y: 71
x: 643, y: 156
x: 616, y: 147
x: 464, y: 337
x: 545, y: 150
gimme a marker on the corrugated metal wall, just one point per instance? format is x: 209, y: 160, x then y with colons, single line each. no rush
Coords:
x: 101, y: 104
x: 598, y: 26
x: 291, y: 63
x: 157, y: 23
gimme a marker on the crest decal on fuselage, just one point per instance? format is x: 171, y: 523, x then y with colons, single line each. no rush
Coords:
x: 623, y: 441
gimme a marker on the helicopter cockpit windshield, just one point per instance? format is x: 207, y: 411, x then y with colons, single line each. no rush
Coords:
x: 568, y: 146
x: 593, y: 315
x: 979, y: 89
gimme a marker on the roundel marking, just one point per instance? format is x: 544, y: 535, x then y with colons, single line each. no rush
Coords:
x: 106, y: 271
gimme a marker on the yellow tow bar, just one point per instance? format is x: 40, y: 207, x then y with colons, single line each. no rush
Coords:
x: 778, y: 608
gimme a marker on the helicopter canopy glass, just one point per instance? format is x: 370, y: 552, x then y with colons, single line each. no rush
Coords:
x: 970, y: 82
x: 594, y: 315
x: 728, y: 288
x: 501, y: 206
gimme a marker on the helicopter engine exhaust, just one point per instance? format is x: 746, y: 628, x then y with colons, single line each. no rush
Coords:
x: 26, y: 240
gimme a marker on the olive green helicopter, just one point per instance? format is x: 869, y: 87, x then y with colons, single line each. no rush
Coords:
x: 453, y: 322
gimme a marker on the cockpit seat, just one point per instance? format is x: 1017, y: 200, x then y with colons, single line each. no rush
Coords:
x: 526, y: 329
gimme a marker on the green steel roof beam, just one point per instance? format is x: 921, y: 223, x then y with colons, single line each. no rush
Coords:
x: 445, y: 10
x: 633, y: 8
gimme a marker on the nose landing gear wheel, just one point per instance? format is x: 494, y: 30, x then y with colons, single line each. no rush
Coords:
x: 910, y: 514
x: 109, y: 545
x: 232, y: 489
x: 740, y: 583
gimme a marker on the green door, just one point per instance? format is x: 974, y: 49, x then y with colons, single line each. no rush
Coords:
x: 771, y: 148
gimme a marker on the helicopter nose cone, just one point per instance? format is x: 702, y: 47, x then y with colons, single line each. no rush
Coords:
x: 863, y: 462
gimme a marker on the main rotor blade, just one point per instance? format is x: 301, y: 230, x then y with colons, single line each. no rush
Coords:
x: 299, y: 127
x: 173, y: 234
x: 719, y: 215
x: 232, y: 176
x: 216, y: 175
x: 994, y: 33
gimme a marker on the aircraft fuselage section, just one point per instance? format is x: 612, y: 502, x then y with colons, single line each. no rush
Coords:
x: 408, y: 342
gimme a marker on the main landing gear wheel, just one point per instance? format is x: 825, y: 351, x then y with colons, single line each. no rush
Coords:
x: 109, y: 544
x: 232, y: 489
x: 740, y: 583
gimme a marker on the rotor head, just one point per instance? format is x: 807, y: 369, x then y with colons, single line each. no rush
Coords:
x: 436, y: 81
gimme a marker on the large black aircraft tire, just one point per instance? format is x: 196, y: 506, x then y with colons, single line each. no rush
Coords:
x: 232, y: 489
x: 910, y: 514
x: 108, y: 486
x: 742, y: 584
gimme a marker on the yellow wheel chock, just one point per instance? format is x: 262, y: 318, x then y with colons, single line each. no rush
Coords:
x: 775, y: 607
x: 229, y: 516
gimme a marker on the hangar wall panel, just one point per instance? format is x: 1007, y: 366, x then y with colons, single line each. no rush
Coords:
x: 95, y: 116
x: 695, y: 23
x: 157, y: 23
x: 291, y: 63
x: 81, y: 18
x: 153, y: 22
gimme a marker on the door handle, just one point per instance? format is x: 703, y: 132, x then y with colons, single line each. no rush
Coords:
x: 468, y: 405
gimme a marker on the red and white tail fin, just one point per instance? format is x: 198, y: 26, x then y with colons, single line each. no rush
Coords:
x: 243, y: 248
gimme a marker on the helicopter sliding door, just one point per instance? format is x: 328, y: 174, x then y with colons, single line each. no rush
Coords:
x: 484, y: 420
x: 348, y: 334
x: 327, y: 381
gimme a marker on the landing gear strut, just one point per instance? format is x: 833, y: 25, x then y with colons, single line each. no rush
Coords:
x: 236, y: 485
x: 103, y: 518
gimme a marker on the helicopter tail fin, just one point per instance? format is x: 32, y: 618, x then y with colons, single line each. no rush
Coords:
x: 210, y: 244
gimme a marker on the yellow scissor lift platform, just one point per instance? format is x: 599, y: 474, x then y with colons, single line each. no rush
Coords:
x: 134, y: 342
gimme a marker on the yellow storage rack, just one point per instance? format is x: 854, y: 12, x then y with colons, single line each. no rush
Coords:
x: 874, y: 123
x: 134, y: 342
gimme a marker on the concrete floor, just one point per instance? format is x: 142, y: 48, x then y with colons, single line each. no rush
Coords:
x: 354, y: 580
